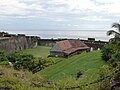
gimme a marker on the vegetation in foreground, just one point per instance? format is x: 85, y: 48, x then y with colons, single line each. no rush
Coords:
x: 22, y: 61
x: 11, y: 79
x: 111, y: 54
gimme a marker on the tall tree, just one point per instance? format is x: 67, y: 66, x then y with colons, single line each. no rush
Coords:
x: 116, y: 39
x: 112, y: 32
x: 114, y: 45
x: 115, y: 56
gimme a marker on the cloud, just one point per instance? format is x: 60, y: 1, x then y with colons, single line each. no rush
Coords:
x: 94, y: 18
x: 76, y: 12
x: 76, y: 6
x: 108, y: 1
x: 19, y: 8
x: 75, y: 25
x: 73, y: 5
x: 39, y: 7
x: 57, y: 19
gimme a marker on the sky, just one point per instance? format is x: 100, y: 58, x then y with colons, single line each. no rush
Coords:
x: 59, y: 14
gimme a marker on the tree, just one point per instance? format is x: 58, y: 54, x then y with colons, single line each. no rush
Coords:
x: 117, y: 26
x: 111, y: 51
x: 106, y: 53
x: 115, y: 44
x: 2, y: 34
x: 116, y: 39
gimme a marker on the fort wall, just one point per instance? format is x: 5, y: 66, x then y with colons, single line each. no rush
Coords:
x: 94, y: 45
x: 10, y: 43
x: 15, y: 43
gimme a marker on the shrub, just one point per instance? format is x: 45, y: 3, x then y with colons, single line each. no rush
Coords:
x: 106, y: 54
x: 28, y: 62
x: 3, y: 57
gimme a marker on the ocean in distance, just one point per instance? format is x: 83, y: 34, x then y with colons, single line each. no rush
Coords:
x: 70, y: 34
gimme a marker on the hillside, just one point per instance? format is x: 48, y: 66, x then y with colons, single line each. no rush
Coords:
x: 88, y: 63
x: 57, y: 76
x: 11, y: 79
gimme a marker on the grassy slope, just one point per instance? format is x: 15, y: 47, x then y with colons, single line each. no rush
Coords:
x: 88, y: 63
x: 40, y: 51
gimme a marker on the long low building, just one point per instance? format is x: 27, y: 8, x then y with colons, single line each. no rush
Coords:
x: 67, y: 48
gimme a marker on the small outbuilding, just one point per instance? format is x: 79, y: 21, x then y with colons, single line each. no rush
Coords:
x: 67, y: 48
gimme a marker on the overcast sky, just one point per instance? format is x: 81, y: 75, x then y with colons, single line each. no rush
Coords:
x: 59, y: 14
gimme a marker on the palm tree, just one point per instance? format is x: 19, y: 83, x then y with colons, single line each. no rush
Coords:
x: 116, y: 39
x: 114, y: 56
x: 112, y: 32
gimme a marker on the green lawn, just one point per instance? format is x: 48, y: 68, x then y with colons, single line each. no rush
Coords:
x: 63, y: 72
x: 88, y: 63
x: 40, y: 51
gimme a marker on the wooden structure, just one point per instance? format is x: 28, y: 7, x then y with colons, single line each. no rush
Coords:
x: 67, y: 48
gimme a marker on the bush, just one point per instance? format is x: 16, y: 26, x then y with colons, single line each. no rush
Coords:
x: 3, y: 57
x: 23, y: 62
x: 106, y: 54
x: 28, y: 62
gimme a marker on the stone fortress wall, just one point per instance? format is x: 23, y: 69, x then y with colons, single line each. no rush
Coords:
x: 11, y: 43
x: 94, y: 45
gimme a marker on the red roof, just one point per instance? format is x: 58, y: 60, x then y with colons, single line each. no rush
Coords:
x: 69, y: 46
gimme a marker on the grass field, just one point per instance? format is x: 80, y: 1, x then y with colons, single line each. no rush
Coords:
x: 88, y: 63
x: 61, y: 75
x: 40, y: 51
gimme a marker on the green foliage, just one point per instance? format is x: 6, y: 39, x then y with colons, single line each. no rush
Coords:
x: 64, y: 72
x: 3, y: 57
x: 107, y: 54
x: 17, y: 56
x: 28, y: 62
x: 39, y: 63
x: 111, y: 52
x: 23, y: 61
x: 21, y: 80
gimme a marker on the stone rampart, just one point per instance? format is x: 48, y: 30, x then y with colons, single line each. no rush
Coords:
x: 18, y: 42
